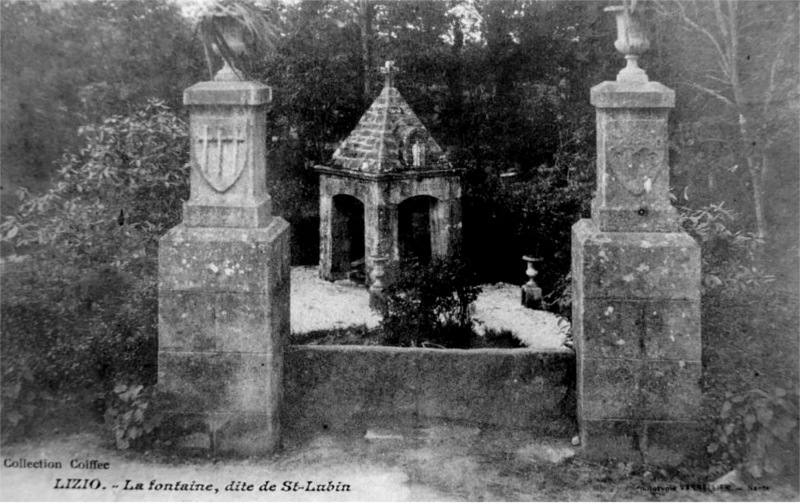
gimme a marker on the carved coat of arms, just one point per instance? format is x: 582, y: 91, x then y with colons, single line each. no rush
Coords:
x: 221, y: 154
x: 635, y: 154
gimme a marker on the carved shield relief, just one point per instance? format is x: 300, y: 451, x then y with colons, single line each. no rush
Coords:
x: 635, y: 153
x: 220, y: 153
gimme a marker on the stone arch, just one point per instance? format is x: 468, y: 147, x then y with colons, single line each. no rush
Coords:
x: 418, y: 228
x: 347, y: 237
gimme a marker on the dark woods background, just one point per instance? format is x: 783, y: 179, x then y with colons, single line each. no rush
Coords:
x: 507, y: 97
x: 93, y: 132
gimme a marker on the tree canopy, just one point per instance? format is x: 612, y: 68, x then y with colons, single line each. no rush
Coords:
x: 502, y: 84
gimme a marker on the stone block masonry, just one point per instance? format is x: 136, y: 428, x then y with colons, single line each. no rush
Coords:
x: 636, y: 289
x: 349, y: 388
x: 224, y: 280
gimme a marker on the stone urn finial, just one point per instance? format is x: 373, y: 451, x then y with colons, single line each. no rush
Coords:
x: 631, y: 41
x: 232, y: 28
x: 232, y: 32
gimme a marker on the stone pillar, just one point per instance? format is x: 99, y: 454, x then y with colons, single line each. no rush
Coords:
x: 456, y: 223
x: 224, y: 280
x: 381, y: 261
x: 636, y: 289
x: 326, y: 236
x: 441, y: 226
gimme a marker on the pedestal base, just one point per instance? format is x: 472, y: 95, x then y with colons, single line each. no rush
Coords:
x: 531, y: 296
x: 636, y: 323
x: 661, y: 443
x: 223, y: 324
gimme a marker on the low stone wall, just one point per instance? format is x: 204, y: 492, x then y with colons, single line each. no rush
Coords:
x: 347, y: 387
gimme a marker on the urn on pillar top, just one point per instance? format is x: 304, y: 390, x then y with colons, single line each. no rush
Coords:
x: 229, y: 28
x: 232, y: 32
x: 631, y: 41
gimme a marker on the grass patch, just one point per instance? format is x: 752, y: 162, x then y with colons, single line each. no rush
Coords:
x: 355, y: 335
x: 361, y: 335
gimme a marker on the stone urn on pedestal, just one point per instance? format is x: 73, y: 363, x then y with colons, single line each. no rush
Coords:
x: 531, y: 293
x: 631, y: 41
x: 229, y: 28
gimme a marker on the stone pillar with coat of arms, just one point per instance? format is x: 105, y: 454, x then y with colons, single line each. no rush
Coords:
x: 635, y: 282
x: 224, y: 277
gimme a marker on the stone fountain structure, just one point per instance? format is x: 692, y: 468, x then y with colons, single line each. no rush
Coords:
x: 388, y: 194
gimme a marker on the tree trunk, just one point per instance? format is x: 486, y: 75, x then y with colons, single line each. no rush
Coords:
x: 758, y: 202
x: 455, y: 79
x: 366, y: 46
x: 747, y: 140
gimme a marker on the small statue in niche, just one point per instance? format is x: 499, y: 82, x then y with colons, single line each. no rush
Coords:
x: 418, y: 154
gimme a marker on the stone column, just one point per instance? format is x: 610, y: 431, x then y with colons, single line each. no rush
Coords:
x: 378, y: 220
x: 636, y: 288
x: 441, y: 225
x: 456, y: 223
x: 326, y: 234
x: 224, y: 280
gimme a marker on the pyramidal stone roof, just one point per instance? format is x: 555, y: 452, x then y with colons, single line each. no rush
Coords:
x: 389, y: 138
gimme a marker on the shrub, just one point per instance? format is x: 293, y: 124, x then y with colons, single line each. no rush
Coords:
x: 19, y: 394
x: 528, y: 213
x: 499, y: 338
x: 756, y: 430
x: 730, y: 256
x: 130, y: 416
x: 430, y: 304
x: 79, y: 296
x: 345, y: 336
x: 750, y: 348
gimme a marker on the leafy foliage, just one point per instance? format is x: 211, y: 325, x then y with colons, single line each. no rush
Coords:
x: 19, y: 394
x: 730, y: 256
x: 755, y: 428
x: 80, y: 299
x: 361, y: 335
x: 529, y: 214
x: 430, y: 304
x: 750, y: 349
x: 78, y: 63
x: 735, y: 129
x: 130, y: 416
x: 126, y: 183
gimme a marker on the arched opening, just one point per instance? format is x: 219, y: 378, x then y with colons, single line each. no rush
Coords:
x: 347, y: 238
x: 415, y: 241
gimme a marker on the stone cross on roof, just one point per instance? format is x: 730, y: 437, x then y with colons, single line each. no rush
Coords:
x: 389, y: 71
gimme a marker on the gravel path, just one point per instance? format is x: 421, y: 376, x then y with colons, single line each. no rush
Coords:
x: 499, y: 307
x: 318, y: 304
